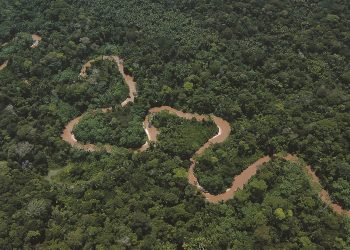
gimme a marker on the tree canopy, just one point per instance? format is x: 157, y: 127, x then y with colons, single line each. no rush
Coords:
x: 278, y: 71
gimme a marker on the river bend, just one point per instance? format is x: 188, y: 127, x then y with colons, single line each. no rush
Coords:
x: 238, y: 181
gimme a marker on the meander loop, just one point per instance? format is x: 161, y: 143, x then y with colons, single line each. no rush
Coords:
x: 224, y: 131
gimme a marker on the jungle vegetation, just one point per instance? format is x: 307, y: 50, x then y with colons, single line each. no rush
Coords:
x: 278, y: 71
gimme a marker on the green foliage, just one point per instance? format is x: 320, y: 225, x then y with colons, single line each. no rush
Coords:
x: 38, y: 208
x: 182, y: 137
x: 279, y: 213
x: 216, y: 167
x: 278, y: 71
x: 188, y: 86
x: 332, y: 18
x: 121, y: 127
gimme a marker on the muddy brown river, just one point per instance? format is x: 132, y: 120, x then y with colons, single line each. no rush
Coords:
x: 238, y: 181
x: 129, y: 80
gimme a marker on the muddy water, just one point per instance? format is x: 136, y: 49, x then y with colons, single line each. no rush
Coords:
x: 224, y: 131
x: 223, y: 134
x: 129, y: 80
x: 69, y: 137
x: 240, y: 180
x: 2, y: 66
x: 36, y: 40
x: 324, y: 195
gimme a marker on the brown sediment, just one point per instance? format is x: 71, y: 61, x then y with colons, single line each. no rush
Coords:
x: 224, y: 131
x: 2, y: 66
x: 238, y: 181
x: 324, y: 195
x: 152, y: 132
x: 69, y: 137
x: 36, y: 40
x: 129, y: 80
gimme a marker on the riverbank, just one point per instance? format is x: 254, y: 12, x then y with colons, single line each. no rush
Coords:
x: 152, y: 132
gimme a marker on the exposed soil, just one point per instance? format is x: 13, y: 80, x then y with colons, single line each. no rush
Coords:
x: 36, y: 40
x: 2, y: 66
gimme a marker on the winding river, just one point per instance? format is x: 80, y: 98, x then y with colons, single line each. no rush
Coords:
x: 224, y: 131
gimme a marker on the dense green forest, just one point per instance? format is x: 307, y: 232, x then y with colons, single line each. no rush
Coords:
x: 120, y: 128
x: 278, y: 71
x: 182, y: 137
